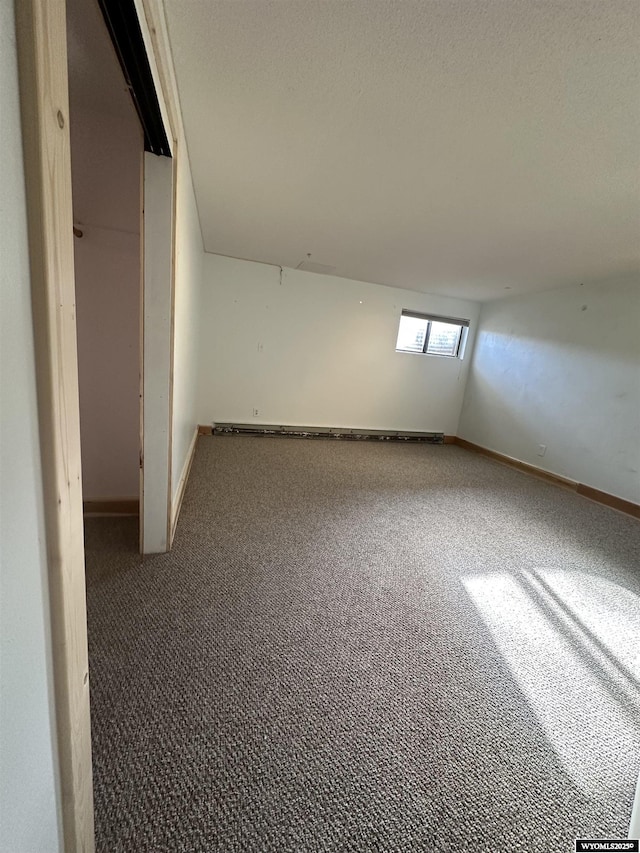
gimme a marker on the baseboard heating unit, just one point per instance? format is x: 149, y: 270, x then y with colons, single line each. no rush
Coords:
x: 327, y: 432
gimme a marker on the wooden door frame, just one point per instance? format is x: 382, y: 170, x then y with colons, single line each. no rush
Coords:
x: 157, y: 536
x: 44, y: 100
x: 158, y: 307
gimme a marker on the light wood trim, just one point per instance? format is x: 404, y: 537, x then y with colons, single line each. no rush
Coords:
x: 155, y: 37
x: 612, y: 501
x: 153, y: 26
x: 449, y: 439
x: 516, y: 463
x: 141, y: 363
x: 182, y: 485
x: 620, y: 504
x: 42, y: 52
x: 112, y: 506
x: 172, y: 340
x: 205, y: 429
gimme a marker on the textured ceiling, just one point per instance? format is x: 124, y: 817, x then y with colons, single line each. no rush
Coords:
x: 461, y: 148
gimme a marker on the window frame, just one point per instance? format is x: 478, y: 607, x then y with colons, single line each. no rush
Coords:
x: 430, y: 319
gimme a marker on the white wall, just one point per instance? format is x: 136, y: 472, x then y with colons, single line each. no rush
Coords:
x: 158, y: 237
x: 189, y: 252
x: 106, y: 157
x: 307, y: 349
x: 189, y: 261
x: 562, y: 368
x: 29, y: 805
x: 162, y: 375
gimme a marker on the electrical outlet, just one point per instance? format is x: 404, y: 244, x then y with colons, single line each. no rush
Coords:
x: 542, y: 449
x: 256, y: 413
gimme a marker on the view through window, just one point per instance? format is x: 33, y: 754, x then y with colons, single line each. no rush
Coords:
x: 431, y: 335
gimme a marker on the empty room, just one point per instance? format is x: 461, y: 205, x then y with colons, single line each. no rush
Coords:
x: 320, y: 411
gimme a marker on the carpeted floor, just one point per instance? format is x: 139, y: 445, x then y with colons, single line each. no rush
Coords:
x: 365, y: 647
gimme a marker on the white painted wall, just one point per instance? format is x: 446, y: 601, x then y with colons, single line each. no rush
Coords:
x: 158, y: 242
x: 189, y: 254
x: 29, y: 800
x: 106, y: 158
x: 189, y: 268
x: 307, y: 349
x: 168, y: 435
x: 562, y: 368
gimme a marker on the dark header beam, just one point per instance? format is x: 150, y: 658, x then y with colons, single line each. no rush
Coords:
x: 121, y: 19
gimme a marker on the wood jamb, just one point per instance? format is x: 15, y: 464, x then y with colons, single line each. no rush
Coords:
x: 174, y: 221
x: 44, y: 96
x: 141, y: 365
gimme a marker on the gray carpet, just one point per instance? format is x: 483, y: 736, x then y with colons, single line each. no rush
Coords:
x: 365, y: 647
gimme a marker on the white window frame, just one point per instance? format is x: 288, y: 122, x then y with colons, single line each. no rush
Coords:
x: 431, y: 318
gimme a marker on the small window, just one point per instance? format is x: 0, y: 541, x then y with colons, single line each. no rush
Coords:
x: 425, y: 333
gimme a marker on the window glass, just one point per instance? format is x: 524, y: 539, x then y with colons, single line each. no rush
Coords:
x: 431, y: 335
x: 411, y: 334
x: 443, y: 338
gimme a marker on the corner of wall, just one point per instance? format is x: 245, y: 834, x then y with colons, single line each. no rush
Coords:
x: 555, y: 371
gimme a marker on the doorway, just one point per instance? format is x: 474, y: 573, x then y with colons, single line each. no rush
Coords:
x: 44, y: 101
x: 107, y: 145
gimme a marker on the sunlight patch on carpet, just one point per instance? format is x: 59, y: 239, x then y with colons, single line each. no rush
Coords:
x: 575, y: 661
